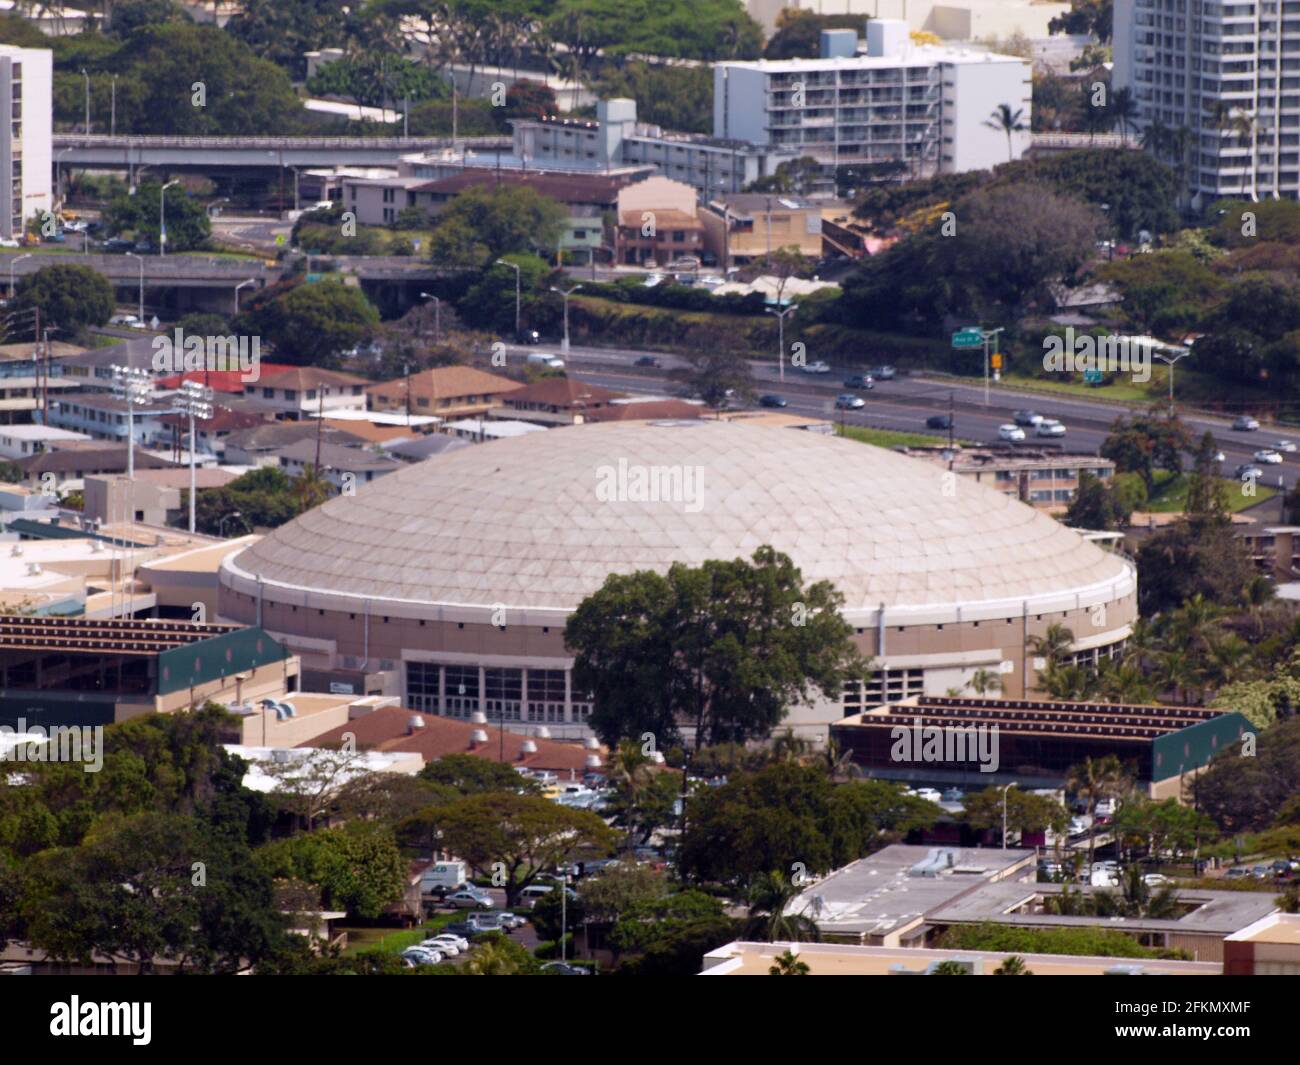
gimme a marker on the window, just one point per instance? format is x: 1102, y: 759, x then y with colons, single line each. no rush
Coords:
x: 460, y: 685
x: 503, y: 689
x: 546, y: 695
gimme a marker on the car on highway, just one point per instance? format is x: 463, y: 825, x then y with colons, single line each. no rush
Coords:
x: 117, y: 246
x: 771, y: 399
x: 528, y: 336
x: 1219, y: 456
x: 1010, y: 432
x: 128, y: 320
x: 1268, y: 456
x: 1027, y: 418
x: 817, y: 367
x: 1238, y: 872
x: 1049, y: 427
x: 1248, y: 471
x: 647, y: 360
x: 848, y: 401
x: 1289, y: 446
x: 939, y: 421
x: 860, y: 380
x: 1245, y: 424
x: 883, y: 373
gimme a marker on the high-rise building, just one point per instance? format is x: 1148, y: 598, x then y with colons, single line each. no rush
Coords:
x: 26, y: 82
x: 899, y: 110
x: 1220, y: 83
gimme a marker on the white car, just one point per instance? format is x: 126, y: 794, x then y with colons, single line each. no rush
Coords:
x: 125, y: 319
x: 8, y: 242
x: 1268, y: 456
x: 1049, y: 427
x: 1010, y: 432
x: 422, y: 956
x: 1289, y: 446
x: 1156, y: 880
x: 446, y: 946
x: 817, y: 367
x: 929, y: 794
x: 459, y: 942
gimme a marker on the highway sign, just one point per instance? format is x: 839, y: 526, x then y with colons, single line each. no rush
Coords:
x: 1092, y: 377
x: 968, y: 338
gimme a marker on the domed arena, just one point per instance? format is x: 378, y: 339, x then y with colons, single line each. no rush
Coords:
x: 448, y: 583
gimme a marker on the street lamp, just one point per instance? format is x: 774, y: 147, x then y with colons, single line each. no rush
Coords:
x: 250, y: 281
x: 515, y: 268
x: 564, y: 345
x: 85, y: 75
x: 1004, y: 813
x: 780, y: 317
x: 195, y: 401
x: 1171, y: 361
x: 437, y: 315
x: 162, y: 216
x: 140, y: 259
x: 12, y: 264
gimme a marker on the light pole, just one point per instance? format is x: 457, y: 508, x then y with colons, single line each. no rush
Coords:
x: 12, y: 264
x: 250, y: 281
x: 112, y: 109
x: 564, y: 917
x: 437, y: 315
x: 162, y: 216
x: 515, y: 268
x: 1004, y: 813
x: 85, y: 75
x: 134, y: 386
x: 215, y: 203
x: 1171, y: 361
x: 564, y: 344
x: 988, y: 334
x: 196, y: 401
x: 780, y: 319
x: 140, y: 260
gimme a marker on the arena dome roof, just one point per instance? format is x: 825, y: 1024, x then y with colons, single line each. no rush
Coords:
x: 538, y: 522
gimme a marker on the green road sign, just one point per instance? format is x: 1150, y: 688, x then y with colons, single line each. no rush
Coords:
x: 311, y: 278
x: 1092, y: 377
x: 968, y: 338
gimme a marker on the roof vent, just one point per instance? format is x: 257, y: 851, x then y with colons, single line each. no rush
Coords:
x: 16, y: 551
x: 478, y: 736
x: 593, y: 761
x: 543, y: 733
x: 528, y: 747
x: 591, y: 743
x: 478, y: 717
x: 34, y: 569
x: 414, y: 723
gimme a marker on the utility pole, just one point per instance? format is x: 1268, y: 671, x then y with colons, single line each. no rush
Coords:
x: 112, y: 109
x: 988, y: 334
x: 85, y: 75
x: 950, y: 423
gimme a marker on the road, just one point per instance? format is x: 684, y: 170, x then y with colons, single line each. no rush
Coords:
x: 905, y: 402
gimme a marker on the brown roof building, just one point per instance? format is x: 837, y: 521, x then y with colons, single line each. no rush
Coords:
x: 391, y: 729
x: 555, y: 401
x: 445, y: 391
x: 648, y: 409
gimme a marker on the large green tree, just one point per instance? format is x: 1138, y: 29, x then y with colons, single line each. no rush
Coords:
x: 313, y: 324
x: 69, y: 297
x: 188, y: 224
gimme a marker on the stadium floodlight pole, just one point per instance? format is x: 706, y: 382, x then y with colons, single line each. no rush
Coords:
x: 196, y: 401
x: 140, y: 259
x: 780, y: 318
x: 12, y: 264
x: 515, y: 268
x: 1171, y: 361
x: 1004, y: 813
x: 134, y: 386
x: 162, y: 216
x: 437, y: 315
x: 564, y: 344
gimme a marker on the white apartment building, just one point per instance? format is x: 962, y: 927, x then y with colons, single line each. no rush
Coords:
x: 953, y: 20
x: 26, y: 86
x: 1228, y: 74
x: 919, y: 109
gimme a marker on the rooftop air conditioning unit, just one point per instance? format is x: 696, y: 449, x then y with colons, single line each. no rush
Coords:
x: 16, y: 551
x: 593, y: 761
x: 34, y: 569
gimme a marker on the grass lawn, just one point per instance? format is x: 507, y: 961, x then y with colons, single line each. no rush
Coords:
x: 1121, y: 390
x: 891, y: 437
x: 394, y: 941
x: 1170, y: 493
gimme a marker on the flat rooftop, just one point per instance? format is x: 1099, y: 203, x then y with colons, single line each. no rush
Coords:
x: 886, y: 892
x: 913, y: 55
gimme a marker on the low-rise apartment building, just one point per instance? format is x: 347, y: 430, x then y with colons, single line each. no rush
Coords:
x: 445, y: 391
x: 658, y: 223
x: 307, y: 390
x: 1040, y: 477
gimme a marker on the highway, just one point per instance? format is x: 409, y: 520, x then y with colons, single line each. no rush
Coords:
x: 905, y: 402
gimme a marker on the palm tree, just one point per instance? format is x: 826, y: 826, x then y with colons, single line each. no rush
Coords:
x: 1013, y: 966
x: 1054, y: 644
x: 1177, y: 674
x: 1102, y: 778
x: 1229, y: 657
x: 1156, y: 137
x: 1008, y: 121
x: 1257, y: 593
x: 950, y: 968
x: 492, y: 959
x: 310, y: 489
x: 788, y: 965
x: 769, y: 897
x: 789, y: 748
x: 630, y: 773
x: 1123, y: 110
x: 983, y: 681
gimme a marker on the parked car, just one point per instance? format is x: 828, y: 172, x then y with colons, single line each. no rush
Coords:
x: 1156, y: 880
x: 459, y: 942
x: 1248, y: 470
x: 469, y: 900
x: 422, y: 956
x: 939, y: 421
x: 1049, y: 427
x: 1260, y: 872
x: 860, y: 380
x: 1237, y: 872
x: 1010, y: 432
x: 883, y: 373
x: 117, y: 246
x: 1268, y: 456
x: 9, y: 242
x: 562, y: 968
x: 125, y: 319
x: 817, y: 367
x: 1245, y: 424
x: 447, y: 946
x: 848, y: 401
x: 486, y: 922
x: 686, y: 262
x: 1027, y: 418
x: 646, y: 360
x: 509, y: 921
x: 769, y: 399
x: 954, y: 795
x: 56, y: 237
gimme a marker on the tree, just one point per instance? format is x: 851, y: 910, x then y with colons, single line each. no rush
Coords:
x: 795, y: 177
x: 526, y: 834
x: 770, y: 897
x: 950, y: 968
x: 1095, y: 505
x: 1013, y: 966
x: 1025, y: 811
x: 1009, y: 122
x: 307, y: 787
x: 716, y: 376
x: 1242, y: 794
x: 620, y: 890
x: 983, y: 681
x: 500, y: 956
x: 1144, y: 442
x: 357, y: 867
x: 284, y: 30
x: 468, y: 774
x: 70, y: 297
x: 130, y: 15
x: 1097, y: 779
x: 729, y: 646
x: 1122, y: 110
x: 482, y: 224
x: 644, y: 797
x: 798, y: 32
x: 786, y: 963
x: 262, y: 498
x: 314, y: 324
x: 1192, y: 557
x: 1054, y: 644
x: 1095, y: 17
x: 674, y: 97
